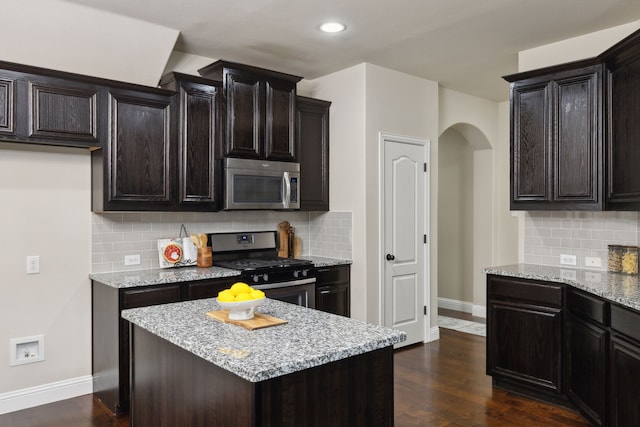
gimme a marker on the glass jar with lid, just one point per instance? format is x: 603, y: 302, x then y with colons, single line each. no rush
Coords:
x: 615, y: 258
x: 630, y: 260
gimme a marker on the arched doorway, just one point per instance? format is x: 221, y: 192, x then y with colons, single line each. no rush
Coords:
x: 465, y: 220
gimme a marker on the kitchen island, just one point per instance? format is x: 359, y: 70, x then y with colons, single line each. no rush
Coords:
x: 318, y: 369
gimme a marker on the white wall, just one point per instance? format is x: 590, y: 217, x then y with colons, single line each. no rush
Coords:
x: 46, y: 205
x: 68, y: 37
x: 367, y: 99
x: 346, y: 91
x: 455, y: 217
x: 573, y: 49
x: 494, y: 232
x: 45, y: 193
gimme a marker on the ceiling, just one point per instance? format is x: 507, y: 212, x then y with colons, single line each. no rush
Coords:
x: 465, y: 45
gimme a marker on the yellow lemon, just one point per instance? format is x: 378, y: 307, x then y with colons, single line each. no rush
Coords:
x: 240, y: 287
x: 256, y: 294
x: 243, y: 296
x: 226, y: 296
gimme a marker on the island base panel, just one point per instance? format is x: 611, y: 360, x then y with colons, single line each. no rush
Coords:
x: 171, y: 386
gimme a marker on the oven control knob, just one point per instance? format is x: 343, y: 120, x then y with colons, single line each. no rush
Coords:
x: 265, y: 277
x: 255, y: 278
x: 305, y: 273
x: 296, y: 274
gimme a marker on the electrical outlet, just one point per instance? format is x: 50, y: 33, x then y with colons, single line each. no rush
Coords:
x: 592, y: 262
x: 132, y: 259
x: 33, y: 264
x: 567, y: 259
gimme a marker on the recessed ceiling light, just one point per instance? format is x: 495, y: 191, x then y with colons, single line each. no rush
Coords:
x: 332, y: 27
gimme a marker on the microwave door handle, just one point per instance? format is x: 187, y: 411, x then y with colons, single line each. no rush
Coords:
x: 287, y: 190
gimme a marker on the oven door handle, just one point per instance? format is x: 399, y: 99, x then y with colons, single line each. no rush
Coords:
x: 286, y: 284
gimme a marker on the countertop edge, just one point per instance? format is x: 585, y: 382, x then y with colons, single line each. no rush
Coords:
x: 165, y: 276
x: 617, y: 288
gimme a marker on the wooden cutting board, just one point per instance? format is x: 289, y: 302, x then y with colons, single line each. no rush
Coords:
x: 259, y: 320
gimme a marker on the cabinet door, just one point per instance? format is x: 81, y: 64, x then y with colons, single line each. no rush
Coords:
x: 524, y: 347
x: 197, y: 171
x: 333, y: 290
x: 139, y: 156
x: 334, y: 299
x: 280, y: 112
x: 623, y: 186
x: 7, y: 105
x: 531, y: 125
x: 586, y: 368
x: 244, y: 110
x: 312, y: 130
x: 577, y: 141
x: 625, y: 371
x: 63, y: 110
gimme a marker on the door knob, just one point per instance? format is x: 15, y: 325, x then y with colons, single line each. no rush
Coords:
x: 390, y: 257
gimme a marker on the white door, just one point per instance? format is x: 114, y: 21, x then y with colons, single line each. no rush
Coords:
x: 404, y: 235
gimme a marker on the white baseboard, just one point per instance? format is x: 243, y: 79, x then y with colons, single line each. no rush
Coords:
x: 434, y: 334
x: 45, y: 393
x: 453, y: 304
x: 479, y: 311
x: 465, y: 307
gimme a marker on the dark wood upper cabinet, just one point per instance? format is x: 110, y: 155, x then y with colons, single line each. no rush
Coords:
x: 64, y: 111
x: 259, y: 110
x: 133, y: 171
x: 7, y: 105
x: 575, y: 133
x: 556, y: 138
x: 623, y: 149
x: 39, y: 106
x: 312, y: 146
x: 198, y: 172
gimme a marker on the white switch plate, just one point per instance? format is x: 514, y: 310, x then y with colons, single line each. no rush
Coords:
x: 33, y: 264
x: 592, y: 262
x: 567, y: 259
x: 131, y: 259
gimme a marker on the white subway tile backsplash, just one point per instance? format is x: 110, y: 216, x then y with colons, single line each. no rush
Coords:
x: 115, y: 235
x: 583, y: 234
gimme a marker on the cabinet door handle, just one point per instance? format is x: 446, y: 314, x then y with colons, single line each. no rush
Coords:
x: 390, y: 257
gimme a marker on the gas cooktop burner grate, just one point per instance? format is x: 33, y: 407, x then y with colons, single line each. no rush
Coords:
x: 262, y: 263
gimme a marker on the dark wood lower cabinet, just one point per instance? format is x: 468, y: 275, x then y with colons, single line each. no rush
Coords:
x: 525, y: 337
x: 590, y: 360
x: 587, y: 367
x: 357, y: 391
x: 625, y: 367
x: 333, y: 290
x: 111, y: 333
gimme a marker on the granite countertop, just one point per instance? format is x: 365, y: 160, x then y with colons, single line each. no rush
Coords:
x: 161, y: 276
x: 164, y: 276
x: 310, y: 338
x: 319, y: 261
x: 615, y: 287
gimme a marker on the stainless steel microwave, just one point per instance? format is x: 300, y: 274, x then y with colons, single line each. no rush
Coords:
x: 261, y: 184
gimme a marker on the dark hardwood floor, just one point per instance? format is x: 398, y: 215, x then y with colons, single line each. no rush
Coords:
x: 442, y: 383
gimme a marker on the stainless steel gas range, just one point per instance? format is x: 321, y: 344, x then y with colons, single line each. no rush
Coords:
x: 255, y: 255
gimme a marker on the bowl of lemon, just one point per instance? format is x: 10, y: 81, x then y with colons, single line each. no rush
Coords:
x: 240, y: 299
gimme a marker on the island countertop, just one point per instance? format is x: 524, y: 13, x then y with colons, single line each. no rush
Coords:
x: 310, y: 338
x: 619, y: 288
